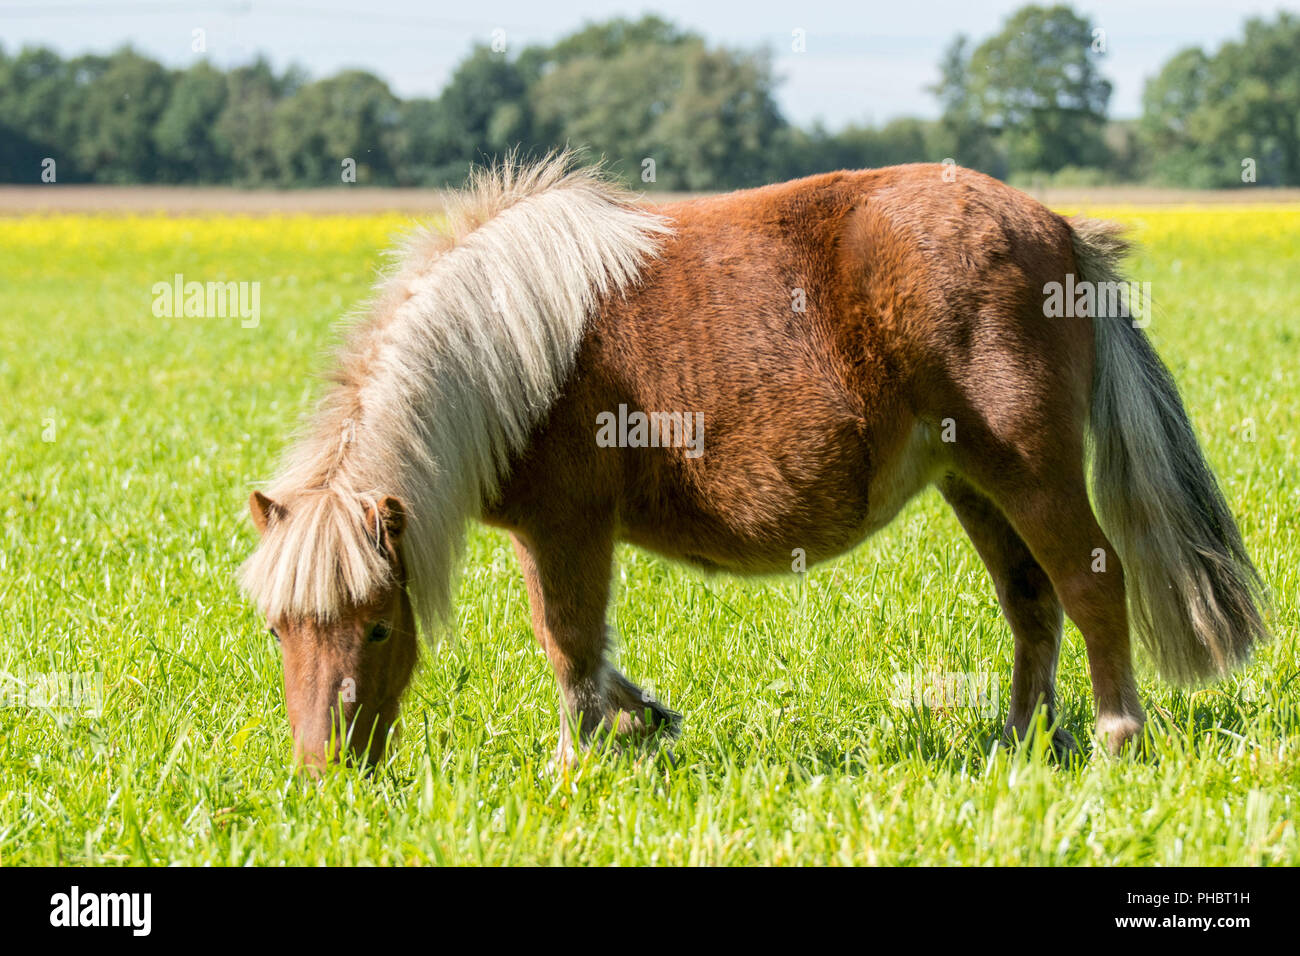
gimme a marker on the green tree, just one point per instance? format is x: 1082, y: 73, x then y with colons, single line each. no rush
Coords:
x: 1173, y: 116
x: 722, y: 124
x: 118, y: 101
x: 246, y: 123
x: 418, y: 148
x: 642, y: 91
x: 804, y: 152
x: 189, y: 146
x: 34, y: 88
x: 1036, y: 87
x: 481, y: 112
x: 1260, y: 112
x: 962, y: 133
x: 351, y: 116
x: 609, y: 39
x: 1204, y: 116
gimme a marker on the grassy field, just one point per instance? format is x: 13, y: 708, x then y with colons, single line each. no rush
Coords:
x: 130, y: 443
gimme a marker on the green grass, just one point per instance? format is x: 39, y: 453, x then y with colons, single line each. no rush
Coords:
x: 123, y: 531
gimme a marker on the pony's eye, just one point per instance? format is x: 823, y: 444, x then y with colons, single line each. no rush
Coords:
x: 274, y: 633
x: 380, y: 632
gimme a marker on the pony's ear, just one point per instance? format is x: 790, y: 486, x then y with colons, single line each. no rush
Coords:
x: 388, y: 516
x: 264, y: 511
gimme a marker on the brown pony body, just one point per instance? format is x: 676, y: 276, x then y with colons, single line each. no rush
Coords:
x: 849, y: 340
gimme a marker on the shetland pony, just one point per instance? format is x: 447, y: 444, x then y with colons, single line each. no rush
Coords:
x: 843, y: 341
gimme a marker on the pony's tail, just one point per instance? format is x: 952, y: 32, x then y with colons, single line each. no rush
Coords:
x: 1195, y: 599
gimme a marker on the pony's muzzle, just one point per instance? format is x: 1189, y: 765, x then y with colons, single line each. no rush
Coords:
x: 342, y: 732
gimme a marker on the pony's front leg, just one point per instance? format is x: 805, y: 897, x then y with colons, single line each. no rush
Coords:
x: 568, y: 588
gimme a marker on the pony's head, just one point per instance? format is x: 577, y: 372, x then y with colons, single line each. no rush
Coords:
x: 329, y: 576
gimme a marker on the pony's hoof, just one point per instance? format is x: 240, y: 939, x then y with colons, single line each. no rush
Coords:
x: 1063, y: 744
x: 1119, y: 732
x: 565, y: 759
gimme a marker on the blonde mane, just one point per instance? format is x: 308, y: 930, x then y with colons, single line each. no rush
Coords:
x: 464, y: 349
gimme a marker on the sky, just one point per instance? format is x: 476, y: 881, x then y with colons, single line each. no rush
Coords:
x: 863, y: 62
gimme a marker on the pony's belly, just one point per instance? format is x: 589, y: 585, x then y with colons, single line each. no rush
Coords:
x: 757, y: 528
x: 740, y: 553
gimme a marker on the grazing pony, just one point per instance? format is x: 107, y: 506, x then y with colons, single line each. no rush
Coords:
x: 726, y: 380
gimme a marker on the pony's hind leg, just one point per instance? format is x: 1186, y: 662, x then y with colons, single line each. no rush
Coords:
x: 568, y: 587
x: 1028, y: 602
x: 1046, y: 501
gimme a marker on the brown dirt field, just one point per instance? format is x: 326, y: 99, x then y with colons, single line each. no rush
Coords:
x: 218, y: 201
x: 1157, y: 196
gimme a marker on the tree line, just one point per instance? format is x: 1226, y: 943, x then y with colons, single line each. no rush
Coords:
x: 664, y: 107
